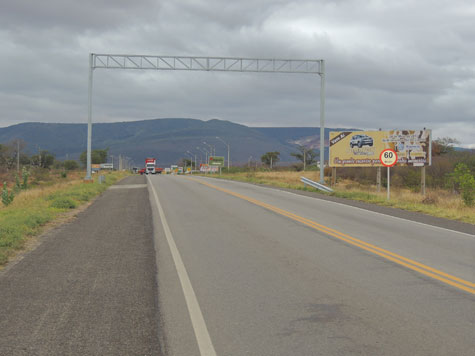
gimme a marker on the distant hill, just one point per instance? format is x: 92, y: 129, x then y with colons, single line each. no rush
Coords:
x: 165, y: 139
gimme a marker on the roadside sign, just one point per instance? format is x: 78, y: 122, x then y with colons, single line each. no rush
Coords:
x: 388, y: 157
x: 204, y: 168
x: 363, y: 148
x: 216, y: 161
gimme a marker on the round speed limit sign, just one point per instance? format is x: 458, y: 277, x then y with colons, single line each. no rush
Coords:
x: 388, y: 157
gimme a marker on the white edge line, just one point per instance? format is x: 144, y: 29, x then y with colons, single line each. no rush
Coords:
x: 354, y: 207
x: 199, y: 326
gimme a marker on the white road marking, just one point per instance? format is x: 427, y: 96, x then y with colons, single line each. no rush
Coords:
x: 128, y: 186
x: 199, y: 326
x: 351, y: 206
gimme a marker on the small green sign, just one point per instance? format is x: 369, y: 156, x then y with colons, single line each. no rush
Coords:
x: 216, y: 161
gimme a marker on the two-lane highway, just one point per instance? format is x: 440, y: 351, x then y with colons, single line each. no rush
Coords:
x: 175, y: 265
x: 245, y: 270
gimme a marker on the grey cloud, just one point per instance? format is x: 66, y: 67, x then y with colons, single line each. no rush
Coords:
x: 389, y: 64
x: 73, y: 14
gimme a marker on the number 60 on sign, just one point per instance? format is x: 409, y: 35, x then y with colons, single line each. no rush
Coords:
x: 388, y: 157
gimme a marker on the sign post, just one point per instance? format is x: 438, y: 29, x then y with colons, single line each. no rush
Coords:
x: 388, y: 158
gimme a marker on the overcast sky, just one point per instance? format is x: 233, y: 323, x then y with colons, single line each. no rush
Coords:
x: 390, y: 64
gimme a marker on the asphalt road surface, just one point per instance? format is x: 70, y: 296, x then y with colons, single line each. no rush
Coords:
x: 269, y: 279
x: 198, y: 266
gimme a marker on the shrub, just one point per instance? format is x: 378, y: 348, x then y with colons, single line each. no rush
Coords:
x: 25, y: 173
x: 70, y: 165
x: 7, y: 197
x: 465, y: 182
x: 63, y: 203
x: 17, y: 183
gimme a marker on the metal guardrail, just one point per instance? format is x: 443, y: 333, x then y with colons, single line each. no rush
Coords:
x: 316, y: 185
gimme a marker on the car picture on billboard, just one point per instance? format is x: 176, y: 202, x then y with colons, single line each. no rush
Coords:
x: 363, y: 148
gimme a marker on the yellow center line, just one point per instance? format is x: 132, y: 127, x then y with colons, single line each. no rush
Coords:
x: 403, y: 261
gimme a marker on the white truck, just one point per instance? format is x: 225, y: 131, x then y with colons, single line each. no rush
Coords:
x: 150, y: 166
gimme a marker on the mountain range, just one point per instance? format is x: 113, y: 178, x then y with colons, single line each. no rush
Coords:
x: 168, y: 140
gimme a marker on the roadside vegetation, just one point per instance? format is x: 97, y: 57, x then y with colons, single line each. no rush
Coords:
x: 39, y: 190
x: 47, y: 201
x: 450, y: 182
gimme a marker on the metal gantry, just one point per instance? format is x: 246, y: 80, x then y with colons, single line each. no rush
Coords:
x: 217, y: 64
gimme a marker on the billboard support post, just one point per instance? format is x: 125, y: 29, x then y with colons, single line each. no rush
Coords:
x: 378, y: 179
x: 423, y: 180
x: 333, y: 181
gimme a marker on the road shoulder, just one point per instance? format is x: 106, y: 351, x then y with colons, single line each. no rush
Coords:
x: 89, y: 287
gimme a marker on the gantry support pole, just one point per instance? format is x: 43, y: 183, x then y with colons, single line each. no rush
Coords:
x: 89, y: 119
x: 322, y: 121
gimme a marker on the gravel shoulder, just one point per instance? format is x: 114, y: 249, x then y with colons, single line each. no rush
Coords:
x: 89, y: 287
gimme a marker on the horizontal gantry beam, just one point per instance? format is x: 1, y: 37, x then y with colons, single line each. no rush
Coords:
x: 220, y: 64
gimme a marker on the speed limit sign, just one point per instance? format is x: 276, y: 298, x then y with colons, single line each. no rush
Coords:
x: 388, y: 157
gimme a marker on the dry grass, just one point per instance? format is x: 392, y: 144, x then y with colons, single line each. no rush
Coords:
x: 436, y: 202
x: 45, y: 205
x: 25, y: 197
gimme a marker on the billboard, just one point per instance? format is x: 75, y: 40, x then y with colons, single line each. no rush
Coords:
x: 363, y: 148
x: 216, y: 161
x: 204, y: 168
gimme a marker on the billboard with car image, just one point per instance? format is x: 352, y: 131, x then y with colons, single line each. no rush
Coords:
x: 362, y: 148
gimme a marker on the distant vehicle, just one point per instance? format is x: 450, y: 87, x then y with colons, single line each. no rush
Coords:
x: 142, y: 171
x: 151, y: 166
x: 361, y: 140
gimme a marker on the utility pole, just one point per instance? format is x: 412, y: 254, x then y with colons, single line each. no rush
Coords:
x: 227, y: 144
x: 204, y: 151
x: 211, y: 148
x: 378, y: 176
x: 18, y: 155
x: 304, y: 158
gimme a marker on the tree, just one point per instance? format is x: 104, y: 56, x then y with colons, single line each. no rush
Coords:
x: 97, y: 156
x: 270, y: 158
x: 186, y: 162
x: 305, y: 155
x: 443, y: 145
x: 70, y: 165
x: 10, y: 152
x: 43, y: 160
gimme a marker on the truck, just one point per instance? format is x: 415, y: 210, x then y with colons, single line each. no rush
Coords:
x: 150, y: 166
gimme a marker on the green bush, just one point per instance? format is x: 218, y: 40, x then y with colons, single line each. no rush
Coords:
x: 70, y: 165
x: 25, y: 173
x: 63, y: 203
x: 16, y: 224
x: 17, y: 183
x: 465, y: 182
x: 7, y: 197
